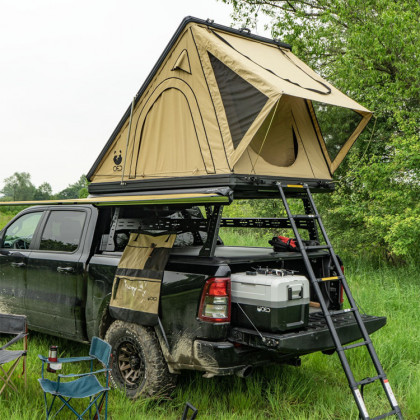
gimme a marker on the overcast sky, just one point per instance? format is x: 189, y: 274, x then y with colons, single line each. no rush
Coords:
x: 69, y: 69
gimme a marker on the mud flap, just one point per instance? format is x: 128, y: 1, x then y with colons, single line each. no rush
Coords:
x: 138, y: 279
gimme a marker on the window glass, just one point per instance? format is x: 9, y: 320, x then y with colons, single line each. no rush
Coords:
x: 336, y: 124
x: 63, y: 231
x: 242, y: 101
x: 19, y: 234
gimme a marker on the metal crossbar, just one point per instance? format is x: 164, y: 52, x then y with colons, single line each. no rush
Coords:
x: 312, y: 213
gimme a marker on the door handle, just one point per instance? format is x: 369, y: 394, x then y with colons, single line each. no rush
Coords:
x: 18, y: 265
x: 65, y: 269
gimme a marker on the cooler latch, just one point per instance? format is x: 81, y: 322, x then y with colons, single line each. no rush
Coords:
x: 295, y: 291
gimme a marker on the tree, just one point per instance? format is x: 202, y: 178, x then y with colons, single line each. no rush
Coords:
x: 43, y: 192
x: 76, y: 190
x: 369, y: 50
x: 18, y: 187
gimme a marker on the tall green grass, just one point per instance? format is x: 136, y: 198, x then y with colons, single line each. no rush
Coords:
x: 316, y: 390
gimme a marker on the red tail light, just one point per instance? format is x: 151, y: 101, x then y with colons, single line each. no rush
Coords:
x: 215, y: 300
x: 341, y: 294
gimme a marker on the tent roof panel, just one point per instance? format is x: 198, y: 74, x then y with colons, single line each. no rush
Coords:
x: 281, y: 69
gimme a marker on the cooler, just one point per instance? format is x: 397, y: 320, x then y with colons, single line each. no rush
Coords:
x: 274, y: 300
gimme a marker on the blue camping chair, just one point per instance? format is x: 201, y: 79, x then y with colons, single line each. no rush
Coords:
x: 86, y: 385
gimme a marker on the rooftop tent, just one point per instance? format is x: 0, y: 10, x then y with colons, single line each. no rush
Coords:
x: 223, y: 102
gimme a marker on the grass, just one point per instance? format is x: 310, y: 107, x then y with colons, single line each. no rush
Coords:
x: 316, y: 390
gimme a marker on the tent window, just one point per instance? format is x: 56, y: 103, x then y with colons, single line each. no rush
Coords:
x: 242, y: 101
x: 336, y: 125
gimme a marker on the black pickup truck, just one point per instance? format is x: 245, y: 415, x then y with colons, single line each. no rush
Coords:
x: 58, y: 263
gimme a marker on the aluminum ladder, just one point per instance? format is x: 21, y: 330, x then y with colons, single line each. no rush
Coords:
x: 302, y: 191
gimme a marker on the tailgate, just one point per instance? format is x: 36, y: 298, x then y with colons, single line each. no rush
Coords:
x: 315, y: 337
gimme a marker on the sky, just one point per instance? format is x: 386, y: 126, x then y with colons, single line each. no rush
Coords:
x: 69, y: 70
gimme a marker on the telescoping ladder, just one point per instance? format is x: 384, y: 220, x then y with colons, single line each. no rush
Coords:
x: 356, y: 387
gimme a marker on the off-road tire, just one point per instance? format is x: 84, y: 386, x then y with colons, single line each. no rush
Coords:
x: 138, y: 365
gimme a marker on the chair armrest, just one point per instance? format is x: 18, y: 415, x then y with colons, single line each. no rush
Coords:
x: 74, y: 359
x: 14, y: 340
x: 74, y: 375
x: 66, y: 359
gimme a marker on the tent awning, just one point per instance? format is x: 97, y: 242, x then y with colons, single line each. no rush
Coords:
x: 125, y: 200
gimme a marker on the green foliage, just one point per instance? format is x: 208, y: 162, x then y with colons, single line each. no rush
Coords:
x: 18, y: 187
x: 316, y: 390
x: 369, y: 50
x: 43, y: 192
x: 76, y: 190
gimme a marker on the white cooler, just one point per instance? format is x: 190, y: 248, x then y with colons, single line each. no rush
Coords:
x: 274, y: 302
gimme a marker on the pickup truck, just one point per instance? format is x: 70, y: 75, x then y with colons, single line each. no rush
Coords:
x: 57, y: 267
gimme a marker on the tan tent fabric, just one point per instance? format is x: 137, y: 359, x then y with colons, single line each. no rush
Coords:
x: 183, y: 62
x: 136, y: 289
x: 222, y: 103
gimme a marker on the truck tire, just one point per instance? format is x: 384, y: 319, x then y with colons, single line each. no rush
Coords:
x: 138, y: 365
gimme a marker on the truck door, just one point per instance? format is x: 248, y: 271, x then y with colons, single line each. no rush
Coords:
x: 55, y: 290
x: 14, y: 250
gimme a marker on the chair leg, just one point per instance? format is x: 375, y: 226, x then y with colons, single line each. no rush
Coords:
x: 7, y: 379
x: 48, y: 410
x: 67, y: 404
x: 25, y: 373
x: 94, y: 401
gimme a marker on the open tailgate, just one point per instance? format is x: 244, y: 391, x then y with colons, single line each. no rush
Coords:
x: 315, y: 337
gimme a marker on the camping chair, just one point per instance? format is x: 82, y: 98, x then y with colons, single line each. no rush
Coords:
x: 86, y: 385
x: 17, y: 326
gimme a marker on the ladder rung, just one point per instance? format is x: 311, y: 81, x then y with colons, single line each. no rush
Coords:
x: 369, y: 380
x: 352, y: 346
x: 382, y: 416
x: 311, y: 247
x: 342, y: 311
x: 305, y: 216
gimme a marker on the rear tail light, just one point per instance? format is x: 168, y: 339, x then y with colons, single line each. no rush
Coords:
x: 341, y: 294
x: 215, y: 300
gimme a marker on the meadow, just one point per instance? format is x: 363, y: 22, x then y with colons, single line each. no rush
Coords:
x: 316, y: 390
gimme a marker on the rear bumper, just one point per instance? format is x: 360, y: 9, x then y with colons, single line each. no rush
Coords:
x: 246, y: 348
x: 315, y: 337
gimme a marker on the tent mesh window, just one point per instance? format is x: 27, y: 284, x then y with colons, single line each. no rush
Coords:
x: 336, y: 125
x: 242, y: 101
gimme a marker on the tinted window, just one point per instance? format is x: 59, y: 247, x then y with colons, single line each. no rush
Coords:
x: 19, y: 234
x: 63, y: 231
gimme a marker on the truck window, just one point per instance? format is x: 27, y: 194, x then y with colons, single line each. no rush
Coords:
x: 63, y: 231
x: 19, y: 234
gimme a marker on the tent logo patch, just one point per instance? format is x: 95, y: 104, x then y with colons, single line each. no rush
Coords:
x: 117, y: 160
